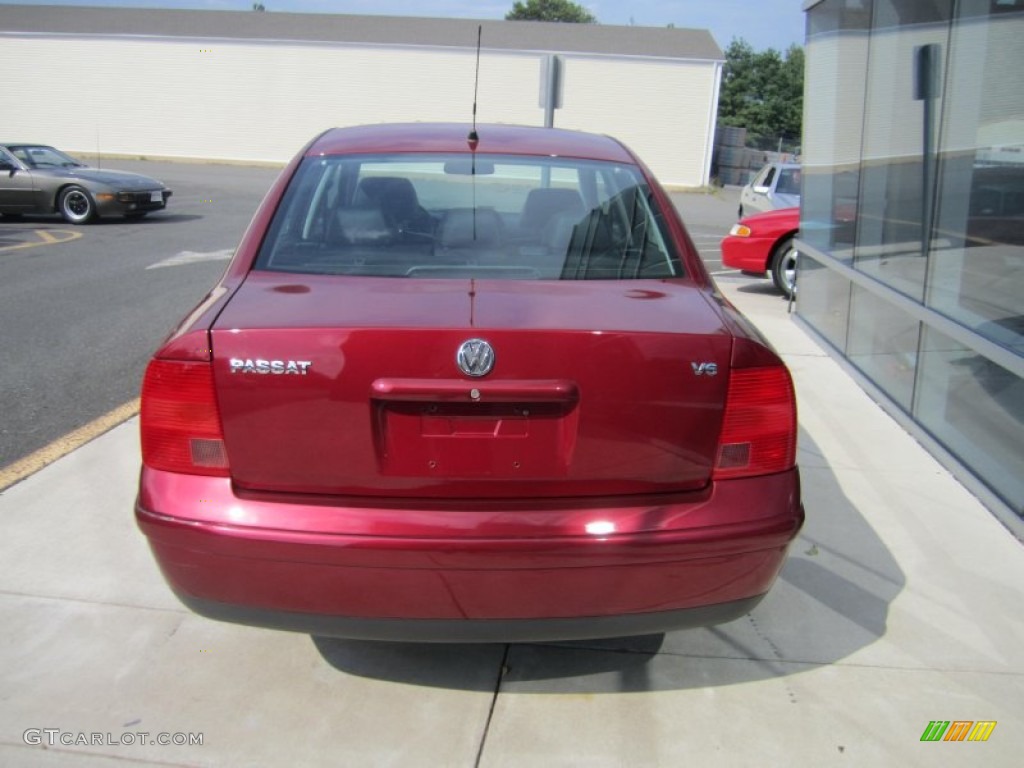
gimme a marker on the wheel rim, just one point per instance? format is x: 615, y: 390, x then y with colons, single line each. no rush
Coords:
x: 789, y: 268
x: 77, y: 204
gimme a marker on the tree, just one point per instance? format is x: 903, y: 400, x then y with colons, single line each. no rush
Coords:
x: 763, y: 92
x: 550, y: 10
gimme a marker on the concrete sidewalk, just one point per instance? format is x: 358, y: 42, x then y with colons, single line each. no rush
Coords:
x: 900, y: 604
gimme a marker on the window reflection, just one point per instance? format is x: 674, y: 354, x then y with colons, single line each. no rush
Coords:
x: 838, y: 45
x: 976, y: 408
x: 977, y: 277
x: 900, y: 128
x: 824, y: 301
x: 883, y: 344
x: 937, y: 216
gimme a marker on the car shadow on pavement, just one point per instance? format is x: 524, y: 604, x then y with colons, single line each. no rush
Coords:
x: 761, y: 286
x: 147, y: 221
x: 831, y: 600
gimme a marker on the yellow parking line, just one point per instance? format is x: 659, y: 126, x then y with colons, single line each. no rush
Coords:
x: 46, y: 237
x: 62, y: 446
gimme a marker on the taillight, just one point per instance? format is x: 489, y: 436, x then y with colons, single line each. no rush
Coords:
x: 759, y: 426
x: 180, y: 423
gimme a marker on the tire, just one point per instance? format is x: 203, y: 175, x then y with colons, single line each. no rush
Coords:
x: 76, y: 205
x: 784, y: 267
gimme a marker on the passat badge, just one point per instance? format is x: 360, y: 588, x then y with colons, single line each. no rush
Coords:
x: 277, y: 367
x: 475, y: 357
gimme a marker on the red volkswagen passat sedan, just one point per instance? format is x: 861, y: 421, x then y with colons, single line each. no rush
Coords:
x: 457, y: 389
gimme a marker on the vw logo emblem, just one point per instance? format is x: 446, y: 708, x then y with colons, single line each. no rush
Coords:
x: 475, y: 357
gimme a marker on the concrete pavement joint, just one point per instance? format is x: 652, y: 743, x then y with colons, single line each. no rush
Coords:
x: 64, y: 599
x: 502, y: 671
x: 22, y: 468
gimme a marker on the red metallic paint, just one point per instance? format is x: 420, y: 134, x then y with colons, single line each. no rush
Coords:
x: 753, y: 253
x: 648, y: 423
x: 473, y: 560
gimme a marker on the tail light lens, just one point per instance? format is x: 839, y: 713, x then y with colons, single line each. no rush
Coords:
x: 180, y: 423
x: 759, y: 427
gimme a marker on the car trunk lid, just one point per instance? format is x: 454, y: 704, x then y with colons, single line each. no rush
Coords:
x: 351, y: 386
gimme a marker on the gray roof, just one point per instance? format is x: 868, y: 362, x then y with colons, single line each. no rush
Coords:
x: 600, y: 39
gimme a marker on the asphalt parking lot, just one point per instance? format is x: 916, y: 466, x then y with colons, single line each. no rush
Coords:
x: 899, y: 606
x: 84, y: 307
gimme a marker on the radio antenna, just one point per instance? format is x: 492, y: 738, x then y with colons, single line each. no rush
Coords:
x: 473, y: 136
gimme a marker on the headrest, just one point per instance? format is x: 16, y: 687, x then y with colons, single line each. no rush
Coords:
x: 467, y: 227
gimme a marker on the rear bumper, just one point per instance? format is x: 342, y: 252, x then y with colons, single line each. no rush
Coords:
x: 489, y: 573
x: 475, y: 630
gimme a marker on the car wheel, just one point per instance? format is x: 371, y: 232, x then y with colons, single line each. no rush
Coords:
x: 784, y: 267
x: 76, y: 205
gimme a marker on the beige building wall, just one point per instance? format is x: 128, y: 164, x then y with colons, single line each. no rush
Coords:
x: 659, y: 109
x: 262, y: 101
x: 246, y: 101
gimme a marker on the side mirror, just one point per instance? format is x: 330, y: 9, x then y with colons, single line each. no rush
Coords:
x: 7, y: 165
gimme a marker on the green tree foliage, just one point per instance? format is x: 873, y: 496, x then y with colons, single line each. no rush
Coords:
x: 763, y: 92
x: 550, y: 10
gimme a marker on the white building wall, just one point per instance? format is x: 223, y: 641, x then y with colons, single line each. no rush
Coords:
x: 262, y: 101
x: 235, y: 101
x: 659, y: 109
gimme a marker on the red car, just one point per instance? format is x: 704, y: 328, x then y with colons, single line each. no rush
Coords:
x: 460, y: 388
x: 764, y: 243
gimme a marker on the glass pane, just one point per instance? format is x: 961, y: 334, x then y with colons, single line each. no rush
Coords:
x: 896, y: 184
x: 976, y: 409
x: 824, y: 301
x: 833, y: 116
x: 883, y: 344
x: 977, y: 277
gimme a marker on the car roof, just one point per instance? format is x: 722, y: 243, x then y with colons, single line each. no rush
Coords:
x: 453, y: 137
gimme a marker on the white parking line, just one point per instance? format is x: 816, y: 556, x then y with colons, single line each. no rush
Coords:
x: 192, y: 257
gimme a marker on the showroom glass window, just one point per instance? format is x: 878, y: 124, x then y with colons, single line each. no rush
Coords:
x: 976, y: 267
x: 976, y: 274
x: 897, y: 168
x: 837, y: 49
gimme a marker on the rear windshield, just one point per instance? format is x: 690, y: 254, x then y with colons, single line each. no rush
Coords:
x: 459, y: 216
